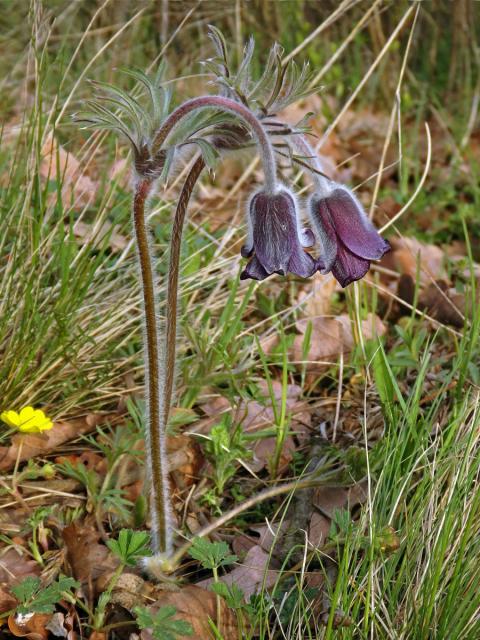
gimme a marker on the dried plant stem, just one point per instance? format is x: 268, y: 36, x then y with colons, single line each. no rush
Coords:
x: 172, y: 287
x: 155, y: 432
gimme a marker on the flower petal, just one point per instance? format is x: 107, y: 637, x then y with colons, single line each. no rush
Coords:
x: 11, y: 418
x: 302, y: 264
x: 254, y: 270
x: 246, y: 251
x: 348, y: 267
x: 320, y: 215
x: 26, y: 414
x: 274, y: 229
x: 353, y: 226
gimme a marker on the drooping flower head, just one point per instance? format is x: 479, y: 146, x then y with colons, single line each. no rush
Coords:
x: 275, y: 242
x: 349, y: 239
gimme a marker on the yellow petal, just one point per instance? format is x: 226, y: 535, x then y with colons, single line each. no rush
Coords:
x: 28, y: 427
x: 11, y: 418
x: 43, y: 423
x: 26, y: 414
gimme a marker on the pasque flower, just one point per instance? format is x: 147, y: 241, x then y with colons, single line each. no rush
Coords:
x: 275, y: 241
x: 28, y: 420
x: 348, y: 237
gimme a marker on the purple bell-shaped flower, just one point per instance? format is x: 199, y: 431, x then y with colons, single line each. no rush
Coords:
x: 349, y: 239
x: 275, y: 242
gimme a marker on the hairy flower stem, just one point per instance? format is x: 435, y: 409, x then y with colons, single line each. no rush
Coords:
x: 172, y: 287
x: 301, y: 144
x: 155, y: 432
x: 224, y: 104
x: 160, y: 355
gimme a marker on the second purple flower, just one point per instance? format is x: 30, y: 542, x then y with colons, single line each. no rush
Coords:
x: 349, y: 239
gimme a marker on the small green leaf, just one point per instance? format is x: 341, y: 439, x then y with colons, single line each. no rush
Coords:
x: 211, y: 555
x: 162, y: 623
x: 35, y: 599
x: 130, y: 546
x: 26, y: 589
x: 233, y: 595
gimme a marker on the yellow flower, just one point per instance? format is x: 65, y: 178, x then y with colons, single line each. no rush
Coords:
x: 29, y: 420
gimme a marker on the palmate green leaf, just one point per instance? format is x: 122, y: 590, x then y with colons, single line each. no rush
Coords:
x: 130, y: 546
x: 25, y: 590
x: 162, y: 623
x: 37, y: 599
x: 211, y: 555
x: 233, y: 595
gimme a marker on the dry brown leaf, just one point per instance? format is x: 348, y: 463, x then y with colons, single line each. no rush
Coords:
x: 31, y: 626
x: 318, y: 529
x: 252, y: 574
x: 196, y: 606
x: 7, y: 601
x: 362, y: 134
x: 328, y: 499
x: 437, y: 299
x: 91, y: 233
x: 443, y: 303
x: 330, y: 337
x: 128, y: 591
x: 87, y: 558
x: 255, y: 416
x: 15, y: 566
x: 61, y: 625
x: 33, y: 444
x: 407, y: 253
x: 319, y: 295
x: 78, y: 190
x: 187, y: 456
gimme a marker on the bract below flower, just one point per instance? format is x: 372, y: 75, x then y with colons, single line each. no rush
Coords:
x: 275, y: 242
x: 28, y: 420
x: 348, y: 237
